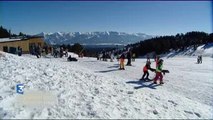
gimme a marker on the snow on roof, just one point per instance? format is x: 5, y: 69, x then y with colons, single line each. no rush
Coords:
x: 8, y: 39
x: 18, y: 38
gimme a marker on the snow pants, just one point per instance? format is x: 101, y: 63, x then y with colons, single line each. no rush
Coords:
x: 121, y: 64
x: 158, y: 75
x: 145, y: 73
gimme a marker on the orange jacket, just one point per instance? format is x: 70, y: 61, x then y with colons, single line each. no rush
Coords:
x: 121, y: 60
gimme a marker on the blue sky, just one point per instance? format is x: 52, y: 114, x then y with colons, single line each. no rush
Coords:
x: 150, y: 17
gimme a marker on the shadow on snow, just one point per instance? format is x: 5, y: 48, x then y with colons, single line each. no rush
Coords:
x: 105, y: 71
x: 143, y: 84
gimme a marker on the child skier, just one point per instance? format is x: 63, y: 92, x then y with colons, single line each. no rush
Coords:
x: 145, y: 71
x: 157, y: 60
x: 159, y: 72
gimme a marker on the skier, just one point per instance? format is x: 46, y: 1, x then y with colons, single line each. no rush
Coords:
x: 133, y: 57
x: 117, y: 57
x: 55, y: 52
x: 46, y: 50
x: 201, y: 59
x: 38, y: 51
x: 100, y: 56
x: 19, y: 51
x: 61, y: 52
x: 159, y: 72
x: 122, y: 58
x: 145, y: 71
x: 148, y: 58
x: 69, y: 58
x: 66, y: 52
x: 111, y: 57
x: 129, y: 57
x: 198, y: 59
x: 104, y: 56
x: 157, y: 60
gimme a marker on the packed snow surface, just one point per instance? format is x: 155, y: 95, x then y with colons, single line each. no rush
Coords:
x: 90, y: 88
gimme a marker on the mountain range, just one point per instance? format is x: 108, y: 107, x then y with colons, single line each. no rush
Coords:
x: 94, y: 38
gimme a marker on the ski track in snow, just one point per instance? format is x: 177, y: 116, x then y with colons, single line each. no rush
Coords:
x: 97, y: 89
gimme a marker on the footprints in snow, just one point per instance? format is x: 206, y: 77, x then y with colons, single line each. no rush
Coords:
x: 2, y: 113
x: 174, y: 103
x: 190, y: 112
x: 155, y: 112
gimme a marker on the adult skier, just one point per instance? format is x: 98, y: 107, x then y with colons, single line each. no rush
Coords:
x: 129, y: 57
x: 111, y: 57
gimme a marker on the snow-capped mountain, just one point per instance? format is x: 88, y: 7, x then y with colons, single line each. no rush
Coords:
x: 94, y: 38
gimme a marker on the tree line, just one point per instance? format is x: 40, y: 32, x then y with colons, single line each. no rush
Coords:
x: 163, y: 44
x: 4, y: 33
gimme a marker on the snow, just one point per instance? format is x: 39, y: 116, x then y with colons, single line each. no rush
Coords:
x: 96, y: 89
x: 7, y: 39
x: 205, y: 50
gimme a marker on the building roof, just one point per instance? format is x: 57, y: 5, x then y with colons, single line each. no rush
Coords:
x: 8, y: 39
x: 17, y: 39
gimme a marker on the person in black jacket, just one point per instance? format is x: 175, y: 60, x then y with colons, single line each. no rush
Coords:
x: 129, y: 57
x: 19, y: 51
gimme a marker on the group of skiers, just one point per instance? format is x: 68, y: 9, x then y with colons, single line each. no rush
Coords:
x: 104, y: 55
x: 158, y: 63
x: 121, y: 58
x: 60, y: 52
x: 131, y: 57
x: 39, y: 51
x: 158, y: 70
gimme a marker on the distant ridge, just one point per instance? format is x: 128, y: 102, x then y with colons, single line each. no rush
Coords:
x: 94, y: 38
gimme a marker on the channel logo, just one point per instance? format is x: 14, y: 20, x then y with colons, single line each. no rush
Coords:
x: 20, y: 88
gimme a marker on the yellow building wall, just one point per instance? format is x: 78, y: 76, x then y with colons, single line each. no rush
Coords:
x: 37, y: 41
x: 24, y: 44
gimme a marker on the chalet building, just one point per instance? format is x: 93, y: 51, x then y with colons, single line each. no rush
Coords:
x: 27, y: 44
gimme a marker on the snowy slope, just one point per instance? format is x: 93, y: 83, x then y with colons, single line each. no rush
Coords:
x: 96, y: 89
x: 204, y: 50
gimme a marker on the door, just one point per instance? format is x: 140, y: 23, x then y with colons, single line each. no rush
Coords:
x: 5, y: 48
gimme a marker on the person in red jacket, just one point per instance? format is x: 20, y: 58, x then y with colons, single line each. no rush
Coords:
x: 145, y: 70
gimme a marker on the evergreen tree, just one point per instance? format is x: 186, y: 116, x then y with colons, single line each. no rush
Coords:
x: 4, y: 33
x: 77, y: 48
